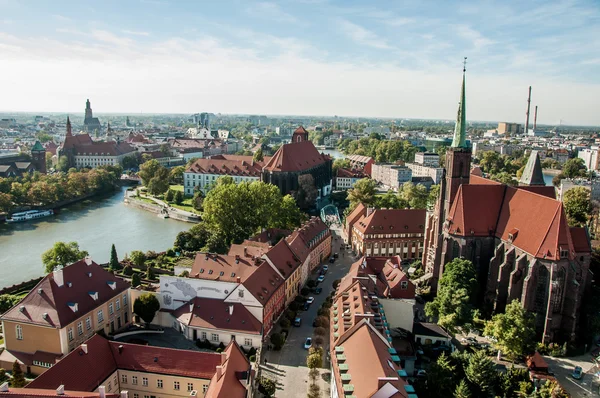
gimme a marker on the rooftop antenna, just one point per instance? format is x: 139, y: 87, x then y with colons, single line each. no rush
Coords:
x: 528, y: 106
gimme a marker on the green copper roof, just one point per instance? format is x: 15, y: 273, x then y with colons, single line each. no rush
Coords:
x: 460, y: 133
x: 37, y: 147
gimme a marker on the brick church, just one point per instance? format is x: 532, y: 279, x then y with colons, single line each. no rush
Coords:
x: 517, y: 237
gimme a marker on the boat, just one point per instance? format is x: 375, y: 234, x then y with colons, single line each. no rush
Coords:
x: 29, y: 215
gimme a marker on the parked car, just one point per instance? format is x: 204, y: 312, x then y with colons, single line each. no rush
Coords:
x: 442, y: 348
x: 577, y: 372
x: 318, y: 290
x: 468, y: 340
x: 310, y: 300
x: 306, y: 306
x: 336, y: 255
x: 307, y: 343
x: 325, y: 268
x: 331, y: 260
x: 298, y: 322
x: 321, y: 278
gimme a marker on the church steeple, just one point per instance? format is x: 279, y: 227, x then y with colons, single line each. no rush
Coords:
x: 69, y: 133
x: 460, y: 134
x: 532, y: 174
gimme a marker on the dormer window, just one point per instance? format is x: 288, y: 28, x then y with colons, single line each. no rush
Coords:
x: 564, y: 253
x: 112, y: 284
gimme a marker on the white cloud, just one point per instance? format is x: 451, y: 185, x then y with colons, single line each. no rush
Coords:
x: 135, y: 32
x: 111, y: 38
x: 362, y: 35
x: 478, y: 41
x: 271, y: 11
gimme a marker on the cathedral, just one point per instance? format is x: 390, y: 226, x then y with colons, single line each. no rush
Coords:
x: 518, y: 238
x: 90, y: 123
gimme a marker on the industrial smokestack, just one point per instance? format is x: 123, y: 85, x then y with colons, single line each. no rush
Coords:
x: 535, y: 119
x: 528, y: 106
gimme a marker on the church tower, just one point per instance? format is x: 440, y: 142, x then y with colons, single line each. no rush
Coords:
x: 38, y: 157
x: 532, y: 174
x: 300, y: 135
x: 458, y: 156
x: 69, y: 130
x: 88, y: 110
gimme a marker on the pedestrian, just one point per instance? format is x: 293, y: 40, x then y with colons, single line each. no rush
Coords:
x: 265, y: 361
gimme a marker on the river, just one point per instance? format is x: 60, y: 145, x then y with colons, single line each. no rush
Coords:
x: 95, y: 224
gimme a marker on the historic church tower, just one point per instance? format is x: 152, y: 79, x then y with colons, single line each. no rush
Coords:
x: 300, y: 135
x: 457, y: 171
x: 38, y: 157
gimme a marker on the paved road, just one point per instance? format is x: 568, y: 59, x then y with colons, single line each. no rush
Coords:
x: 563, y: 367
x: 288, y: 366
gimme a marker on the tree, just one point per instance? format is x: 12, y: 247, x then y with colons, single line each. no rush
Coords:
x: 578, y: 206
x: 258, y: 155
x: 441, y: 376
x: 154, y: 176
x: 511, y: 381
x: 315, y: 358
x: 453, y: 305
x: 138, y: 258
x: 514, y: 329
x: 150, y: 274
x: 176, y: 174
x: 113, y: 264
x: 415, y: 195
x: 481, y: 373
x: 504, y: 178
x: 462, y: 390
x: 136, y: 280
x: 61, y: 255
x: 390, y: 201
x: 551, y: 389
x: 169, y: 195
x: 198, y: 200
x: 148, y: 170
x: 314, y: 391
x: 434, y: 193
x: 7, y: 301
x: 3, y: 376
x: 18, y: 377
x: 574, y: 168
x: 146, y: 306
x: 268, y: 386
x: 340, y: 163
x: 307, y: 192
x: 127, y: 270
x: 363, y: 192
x: 178, y: 197
x: 320, y: 331
x: 277, y: 340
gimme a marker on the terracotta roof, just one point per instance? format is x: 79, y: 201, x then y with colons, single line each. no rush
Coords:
x: 297, y: 156
x: 537, y: 362
x: 210, y: 313
x: 536, y: 224
x: 269, y: 235
x: 367, y: 359
x: 347, y: 173
x: 82, y: 371
x: 249, y: 249
x: 235, y: 375
x: 193, y: 143
x: 475, y: 179
x: 108, y: 148
x: 390, y: 221
x: 50, y: 305
x: 298, y: 246
x: 359, y: 159
x: 388, y: 273
x: 38, y: 392
x: 263, y: 283
x: 356, y: 214
x: 77, y: 140
x: 223, y: 268
x: 282, y: 257
x: 233, y: 167
x: 581, y: 240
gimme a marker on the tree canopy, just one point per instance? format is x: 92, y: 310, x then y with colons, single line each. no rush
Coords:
x: 382, y: 151
x: 453, y: 305
x: 514, y: 329
x: 146, y: 306
x: 577, y: 206
x: 61, y: 255
x: 574, y: 168
x: 363, y: 192
x: 155, y: 177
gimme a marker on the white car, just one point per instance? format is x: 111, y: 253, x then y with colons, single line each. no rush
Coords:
x: 308, y: 343
x: 310, y: 300
x: 321, y: 278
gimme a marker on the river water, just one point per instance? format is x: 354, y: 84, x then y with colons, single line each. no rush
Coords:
x: 95, y: 224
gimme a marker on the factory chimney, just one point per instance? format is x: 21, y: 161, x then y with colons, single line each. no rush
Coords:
x: 535, y: 119
x: 528, y: 105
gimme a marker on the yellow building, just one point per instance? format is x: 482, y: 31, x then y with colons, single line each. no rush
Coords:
x: 149, y: 372
x: 65, y: 309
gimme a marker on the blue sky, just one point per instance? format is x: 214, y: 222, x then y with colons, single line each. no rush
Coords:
x: 321, y: 57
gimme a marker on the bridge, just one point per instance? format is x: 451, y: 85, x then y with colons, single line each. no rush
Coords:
x: 330, y: 215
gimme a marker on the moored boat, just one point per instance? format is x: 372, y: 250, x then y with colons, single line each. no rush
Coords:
x: 29, y: 215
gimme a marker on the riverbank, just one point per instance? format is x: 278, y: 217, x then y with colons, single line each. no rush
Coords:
x: 158, y: 207
x: 552, y: 172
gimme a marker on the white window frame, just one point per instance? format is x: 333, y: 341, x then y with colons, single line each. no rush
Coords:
x: 111, y: 309
x: 145, y: 381
x: 88, y: 323
x: 100, y: 316
x: 190, y: 387
x: 70, y: 334
x: 214, y: 337
x: 134, y: 380
x: 79, y: 328
x: 19, y: 332
x: 176, y: 386
x: 118, y: 304
x: 124, y: 379
x: 159, y: 383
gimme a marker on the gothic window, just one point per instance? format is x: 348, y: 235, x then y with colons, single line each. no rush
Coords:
x: 455, y: 249
x: 541, y: 289
x: 557, y: 289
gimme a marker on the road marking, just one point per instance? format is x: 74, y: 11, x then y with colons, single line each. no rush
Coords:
x: 577, y: 384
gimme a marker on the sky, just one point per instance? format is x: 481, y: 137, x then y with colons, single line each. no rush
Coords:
x: 372, y: 58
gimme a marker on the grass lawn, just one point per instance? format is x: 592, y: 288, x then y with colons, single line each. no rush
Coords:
x: 176, y: 187
x: 186, y: 206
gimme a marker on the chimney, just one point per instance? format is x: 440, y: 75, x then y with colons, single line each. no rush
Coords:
x: 245, y: 251
x: 102, y: 391
x: 59, y: 278
x: 219, y: 371
x: 84, y: 348
x: 237, y: 258
x: 239, y: 280
x: 88, y: 260
x: 369, y: 211
x: 223, y: 358
x: 4, y: 387
x: 60, y: 390
x: 528, y: 106
x: 230, y: 309
x: 124, y: 394
x: 120, y: 349
x: 535, y: 119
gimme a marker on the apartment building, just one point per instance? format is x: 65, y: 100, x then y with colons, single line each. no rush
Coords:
x: 419, y: 170
x: 391, y: 175
x: 66, y: 308
x: 113, y: 367
x: 359, y: 162
x: 346, y: 178
x: 590, y: 158
x: 429, y: 159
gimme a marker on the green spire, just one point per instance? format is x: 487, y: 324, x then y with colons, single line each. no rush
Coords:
x: 460, y: 134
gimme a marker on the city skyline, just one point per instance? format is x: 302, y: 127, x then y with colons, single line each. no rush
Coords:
x: 304, y: 57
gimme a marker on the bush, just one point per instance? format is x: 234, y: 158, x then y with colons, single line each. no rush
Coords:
x: 169, y: 195
x: 294, y: 306
x: 128, y: 271
x: 219, y: 349
x: 291, y: 315
x: 267, y: 387
x: 252, y: 358
x: 285, y: 323
x: 319, y: 340
x: 184, y: 274
x: 150, y: 274
x: 136, y: 280
x: 277, y: 340
x: 251, y: 352
x: 336, y: 283
x: 323, y: 321
x: 178, y: 197
x: 205, y: 344
x: 170, y: 253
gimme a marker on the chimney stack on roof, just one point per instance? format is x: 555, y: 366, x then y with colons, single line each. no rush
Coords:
x: 192, y: 306
x: 88, y: 260
x: 219, y: 371
x: 60, y: 390
x: 59, y: 278
x: 102, y: 391
x: 84, y: 348
x: 120, y: 348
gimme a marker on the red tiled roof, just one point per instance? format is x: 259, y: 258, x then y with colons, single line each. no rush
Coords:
x: 346, y: 173
x: 77, y: 140
x: 109, y: 148
x: 355, y: 215
x: 84, y: 372
x: 475, y: 179
x: 217, y: 314
x: 282, y: 257
x: 391, y: 221
x: 236, y: 370
x: 57, y: 302
x: 263, y: 283
x: 233, y: 167
x: 298, y: 246
x: 548, y: 191
x: 269, y: 235
x: 193, y: 143
x: 223, y: 268
x: 537, y: 362
x: 581, y: 240
x: 389, y: 275
x: 249, y: 248
x: 297, y: 156
x: 38, y: 392
x: 310, y: 229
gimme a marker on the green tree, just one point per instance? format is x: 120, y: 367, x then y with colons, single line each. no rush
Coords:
x: 462, y: 390
x: 61, y: 255
x: 7, y: 301
x: 481, y: 373
x: 160, y: 182
x: 150, y: 274
x: 574, y: 168
x: 434, y: 193
x: 268, y: 386
x: 504, y: 178
x: 176, y: 174
x: 514, y: 329
x: 127, y: 270
x: 315, y: 358
x: 258, y: 155
x: 63, y: 164
x: 169, y: 195
x: 18, y: 377
x: 363, y: 192
x: 314, y: 391
x: 390, y: 200
x: 440, y: 377
x: 340, y: 163
x: 511, y: 381
x: 6, y: 202
x: 3, y: 376
x: 178, y: 197
x: 130, y: 162
x: 415, y: 195
x: 578, y: 206
x: 136, y: 280
x: 277, y: 340
x: 551, y: 389
x: 138, y: 258
x: 453, y: 305
x: 113, y: 264
x: 146, y: 306
x: 198, y: 200
x: 49, y: 160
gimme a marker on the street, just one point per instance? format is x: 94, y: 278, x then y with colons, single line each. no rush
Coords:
x: 563, y: 368
x: 288, y: 366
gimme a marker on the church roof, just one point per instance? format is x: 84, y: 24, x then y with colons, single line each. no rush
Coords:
x: 297, y: 156
x: 532, y: 174
x: 460, y: 134
x: 37, y: 147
